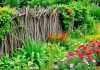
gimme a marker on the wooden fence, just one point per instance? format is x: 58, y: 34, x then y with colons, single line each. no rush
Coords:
x: 37, y: 23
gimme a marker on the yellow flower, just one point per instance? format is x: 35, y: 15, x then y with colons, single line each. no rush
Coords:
x: 91, y: 37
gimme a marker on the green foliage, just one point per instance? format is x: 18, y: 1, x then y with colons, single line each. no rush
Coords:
x: 44, y: 3
x: 6, y: 15
x: 74, y: 12
x: 95, y: 11
x: 12, y: 3
x: 97, y: 2
x: 15, y: 3
x: 34, y: 51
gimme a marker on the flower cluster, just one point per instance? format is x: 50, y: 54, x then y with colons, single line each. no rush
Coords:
x: 57, y: 37
x: 85, y: 52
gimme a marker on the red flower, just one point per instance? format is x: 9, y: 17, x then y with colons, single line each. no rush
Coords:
x: 77, y: 51
x: 84, y: 51
x: 89, y: 57
x: 81, y: 56
x: 57, y: 38
x: 94, y: 44
x: 88, y: 44
x: 98, y: 50
x: 70, y: 53
x: 90, y: 51
x: 82, y: 47
x: 64, y: 35
x: 50, y: 36
x: 98, y: 42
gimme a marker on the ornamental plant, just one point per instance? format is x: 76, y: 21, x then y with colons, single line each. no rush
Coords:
x: 84, y: 56
x: 6, y: 15
x: 74, y: 12
x: 58, y: 38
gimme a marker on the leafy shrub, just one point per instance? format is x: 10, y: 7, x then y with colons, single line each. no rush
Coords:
x: 5, y: 19
x: 46, y: 3
x: 74, y: 12
x: 43, y: 3
x: 95, y: 11
x: 12, y: 3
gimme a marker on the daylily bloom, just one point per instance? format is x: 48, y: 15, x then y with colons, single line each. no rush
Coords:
x: 64, y: 35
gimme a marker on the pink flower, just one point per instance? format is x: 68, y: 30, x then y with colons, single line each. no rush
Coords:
x: 71, y: 66
x: 77, y: 50
x: 70, y: 53
x: 82, y: 47
x: 98, y: 42
x: 81, y: 56
x: 98, y: 50
x: 94, y: 44
x: 88, y: 44
x: 89, y: 57
x: 84, y: 60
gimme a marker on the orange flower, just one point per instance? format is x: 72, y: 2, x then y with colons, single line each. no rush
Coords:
x: 64, y: 41
x: 70, y: 14
x: 69, y: 11
x: 64, y: 35
x: 71, y: 58
x: 50, y: 36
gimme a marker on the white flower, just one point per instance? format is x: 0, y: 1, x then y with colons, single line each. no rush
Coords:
x: 86, y: 61
x: 71, y: 66
x: 30, y: 63
x: 94, y: 61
